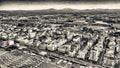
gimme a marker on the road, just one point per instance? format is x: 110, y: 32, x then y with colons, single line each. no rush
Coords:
x: 73, y: 59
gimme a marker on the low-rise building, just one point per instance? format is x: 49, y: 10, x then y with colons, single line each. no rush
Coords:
x: 108, y: 62
x: 94, y: 55
x: 82, y: 54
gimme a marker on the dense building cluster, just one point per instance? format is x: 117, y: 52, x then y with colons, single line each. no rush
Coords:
x: 63, y: 40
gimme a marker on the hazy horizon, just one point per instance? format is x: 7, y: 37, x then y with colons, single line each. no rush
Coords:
x: 40, y: 5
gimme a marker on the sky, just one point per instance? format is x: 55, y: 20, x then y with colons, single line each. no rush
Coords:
x: 58, y: 4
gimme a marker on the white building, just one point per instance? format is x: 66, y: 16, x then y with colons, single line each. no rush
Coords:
x: 72, y: 54
x: 10, y: 42
x: 82, y: 54
x: 94, y: 55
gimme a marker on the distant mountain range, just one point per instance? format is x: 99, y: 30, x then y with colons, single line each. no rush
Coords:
x: 62, y: 11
